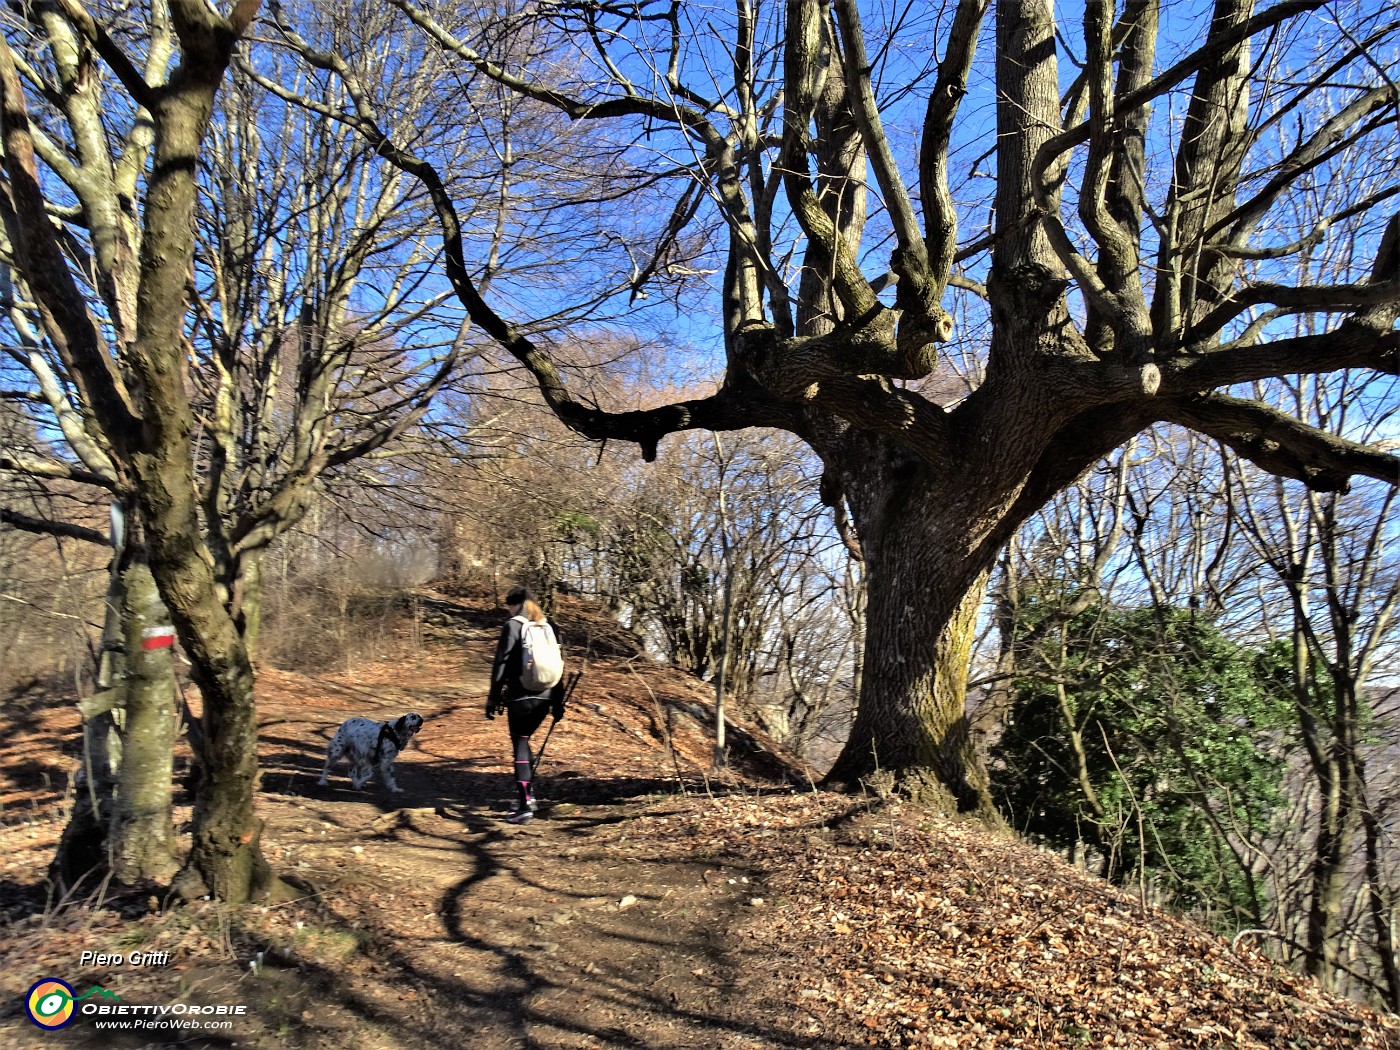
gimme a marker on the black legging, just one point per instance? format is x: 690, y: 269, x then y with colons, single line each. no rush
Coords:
x: 524, y: 716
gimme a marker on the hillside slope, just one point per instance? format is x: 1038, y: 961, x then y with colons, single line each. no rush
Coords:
x: 651, y: 906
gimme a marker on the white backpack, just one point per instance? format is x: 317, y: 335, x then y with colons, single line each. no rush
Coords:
x: 541, y: 662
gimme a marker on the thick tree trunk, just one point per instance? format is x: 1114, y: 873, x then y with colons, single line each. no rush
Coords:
x: 912, y: 734
x: 932, y: 521
x: 225, y: 858
x: 141, y: 839
x: 120, y: 820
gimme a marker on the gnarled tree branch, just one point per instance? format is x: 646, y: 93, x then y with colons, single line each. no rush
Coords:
x: 1281, y: 444
x: 50, y: 527
x: 727, y: 409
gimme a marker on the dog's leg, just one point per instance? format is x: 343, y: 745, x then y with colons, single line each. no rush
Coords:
x: 332, y: 756
x: 386, y: 769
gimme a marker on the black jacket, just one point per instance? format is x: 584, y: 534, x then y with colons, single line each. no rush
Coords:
x: 505, y: 672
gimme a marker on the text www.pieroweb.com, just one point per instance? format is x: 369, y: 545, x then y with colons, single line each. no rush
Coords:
x: 166, y: 1023
x: 179, y: 1017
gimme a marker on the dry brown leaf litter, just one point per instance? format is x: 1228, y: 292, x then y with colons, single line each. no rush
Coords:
x: 933, y: 933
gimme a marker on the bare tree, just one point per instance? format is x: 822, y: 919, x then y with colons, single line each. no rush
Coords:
x: 216, y: 363
x: 320, y: 344
x: 1119, y: 290
x: 116, y: 380
x: 1334, y: 597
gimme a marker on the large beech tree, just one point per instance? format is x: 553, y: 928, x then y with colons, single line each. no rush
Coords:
x: 1138, y: 254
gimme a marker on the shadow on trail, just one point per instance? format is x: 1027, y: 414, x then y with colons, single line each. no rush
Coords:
x: 506, y: 972
x: 629, y: 979
x: 433, y: 777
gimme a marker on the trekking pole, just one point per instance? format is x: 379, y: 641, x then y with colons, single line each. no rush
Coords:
x: 568, y: 692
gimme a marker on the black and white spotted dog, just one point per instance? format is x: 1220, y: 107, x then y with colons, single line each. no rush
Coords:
x: 370, y: 745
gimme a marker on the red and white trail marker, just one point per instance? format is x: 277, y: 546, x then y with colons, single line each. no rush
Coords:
x: 158, y: 637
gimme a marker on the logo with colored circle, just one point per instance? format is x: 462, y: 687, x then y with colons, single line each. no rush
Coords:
x: 50, y: 1003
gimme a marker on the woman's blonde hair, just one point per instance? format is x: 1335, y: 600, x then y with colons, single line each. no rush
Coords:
x: 520, y: 595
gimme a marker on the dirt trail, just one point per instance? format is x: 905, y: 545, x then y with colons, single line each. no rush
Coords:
x: 552, y: 934
x: 423, y: 919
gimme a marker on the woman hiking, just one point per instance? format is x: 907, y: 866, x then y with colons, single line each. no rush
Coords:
x: 527, y: 683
